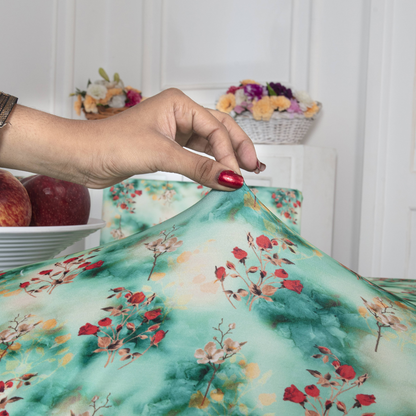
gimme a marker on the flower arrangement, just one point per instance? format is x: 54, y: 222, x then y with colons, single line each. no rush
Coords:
x: 288, y: 113
x: 263, y: 100
x: 106, y: 97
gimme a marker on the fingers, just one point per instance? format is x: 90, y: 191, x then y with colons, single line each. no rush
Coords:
x: 200, y: 169
x: 242, y: 144
x: 205, y: 125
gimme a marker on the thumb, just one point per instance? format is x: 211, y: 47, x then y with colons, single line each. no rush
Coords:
x: 207, y: 172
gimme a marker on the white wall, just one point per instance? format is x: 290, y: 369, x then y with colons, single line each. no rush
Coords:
x: 203, y: 47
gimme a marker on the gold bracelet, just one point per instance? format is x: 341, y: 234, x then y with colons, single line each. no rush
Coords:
x: 7, y: 102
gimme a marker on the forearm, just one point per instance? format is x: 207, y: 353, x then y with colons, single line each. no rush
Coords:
x: 45, y: 144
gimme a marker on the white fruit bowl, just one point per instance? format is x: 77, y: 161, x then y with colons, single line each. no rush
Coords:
x: 25, y: 245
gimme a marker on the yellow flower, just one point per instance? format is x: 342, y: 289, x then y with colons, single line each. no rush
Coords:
x: 226, y: 103
x: 78, y: 105
x: 267, y: 399
x: 248, y: 81
x: 128, y: 88
x: 280, y: 102
x: 262, y: 109
x: 217, y: 395
x: 110, y: 94
x: 311, y: 111
x: 90, y: 104
x: 252, y: 370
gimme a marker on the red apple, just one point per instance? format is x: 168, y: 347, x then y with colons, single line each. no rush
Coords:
x: 15, y: 208
x: 56, y: 202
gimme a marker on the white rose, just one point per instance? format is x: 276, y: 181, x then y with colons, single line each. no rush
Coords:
x: 97, y: 91
x: 303, y: 98
x: 240, y: 96
x: 118, y: 101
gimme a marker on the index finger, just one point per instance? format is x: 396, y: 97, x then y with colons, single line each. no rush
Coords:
x: 205, y: 125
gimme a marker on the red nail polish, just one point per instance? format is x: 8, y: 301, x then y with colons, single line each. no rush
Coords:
x: 230, y: 179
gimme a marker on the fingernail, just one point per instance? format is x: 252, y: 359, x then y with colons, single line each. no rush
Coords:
x: 230, y: 179
x: 262, y: 167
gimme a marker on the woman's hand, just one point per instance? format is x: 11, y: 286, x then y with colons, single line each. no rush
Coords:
x: 149, y: 137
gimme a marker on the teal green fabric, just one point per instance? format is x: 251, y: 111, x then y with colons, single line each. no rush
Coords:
x: 135, y: 205
x: 221, y: 310
x: 405, y: 288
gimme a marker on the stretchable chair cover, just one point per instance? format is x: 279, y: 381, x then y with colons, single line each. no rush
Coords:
x: 137, y: 204
x: 221, y: 310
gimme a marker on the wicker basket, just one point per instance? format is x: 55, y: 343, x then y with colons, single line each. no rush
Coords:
x: 103, y: 112
x: 281, y: 128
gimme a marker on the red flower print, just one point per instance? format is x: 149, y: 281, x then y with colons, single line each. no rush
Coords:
x: 136, y: 298
x: 112, y: 189
x: 1, y: 386
x: 45, y: 271
x: 264, y: 242
x: 199, y: 187
x: 294, y: 285
x: 364, y: 400
x: 119, y: 327
x: 328, y: 404
x: 152, y: 314
x: 69, y: 260
x: 299, y: 204
x: 312, y: 390
x: 153, y: 327
x: 281, y: 273
x: 323, y: 350
x: 118, y: 289
x: 24, y: 284
x: 88, y: 329
x: 279, y: 205
x: 294, y: 395
x: 230, y: 265
x: 336, y: 364
x: 83, y: 265
x: 287, y: 215
x: 105, y: 322
x: 138, y: 192
x: 239, y: 254
x: 220, y: 273
x: 131, y: 326
x: 346, y: 372
x: 115, y: 197
x: 127, y: 295
x: 95, y: 265
x: 4, y: 413
x: 9, y: 384
x: 123, y: 206
x: 275, y: 242
x: 155, y: 339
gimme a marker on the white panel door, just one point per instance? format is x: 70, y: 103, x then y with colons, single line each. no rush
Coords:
x: 388, y: 222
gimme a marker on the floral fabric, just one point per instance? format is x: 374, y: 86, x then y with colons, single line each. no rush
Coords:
x: 405, y: 288
x: 134, y: 205
x: 221, y: 310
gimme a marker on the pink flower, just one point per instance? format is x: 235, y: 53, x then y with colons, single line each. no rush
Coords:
x: 294, y: 107
x: 133, y: 98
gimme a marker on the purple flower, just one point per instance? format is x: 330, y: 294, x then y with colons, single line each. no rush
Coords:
x: 279, y: 89
x: 255, y: 91
x: 294, y: 107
